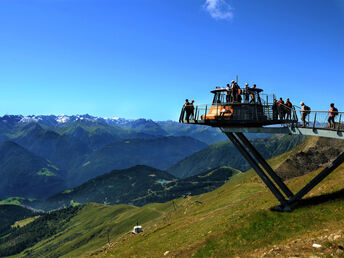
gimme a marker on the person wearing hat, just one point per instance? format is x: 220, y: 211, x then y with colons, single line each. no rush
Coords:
x: 306, y: 110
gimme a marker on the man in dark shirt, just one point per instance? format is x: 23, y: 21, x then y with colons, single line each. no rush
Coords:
x: 288, y: 108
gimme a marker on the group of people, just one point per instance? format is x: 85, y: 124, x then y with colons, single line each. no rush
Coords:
x: 282, y: 109
x: 332, y: 113
x: 234, y: 93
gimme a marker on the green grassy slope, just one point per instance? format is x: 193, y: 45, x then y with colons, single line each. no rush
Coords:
x: 233, y: 220
x: 9, y: 214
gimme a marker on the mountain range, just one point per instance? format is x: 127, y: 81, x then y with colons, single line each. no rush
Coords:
x: 46, y: 155
x: 233, y: 220
x: 78, y: 148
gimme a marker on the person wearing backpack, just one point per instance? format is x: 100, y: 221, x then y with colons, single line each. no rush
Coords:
x: 306, y: 110
x: 331, y: 115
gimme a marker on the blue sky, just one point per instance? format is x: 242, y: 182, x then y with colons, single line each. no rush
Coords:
x: 142, y: 58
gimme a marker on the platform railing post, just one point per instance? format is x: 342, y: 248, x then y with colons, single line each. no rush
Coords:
x: 315, y: 120
x: 205, y: 113
x: 259, y: 171
x: 340, y: 119
x: 181, y: 117
x: 265, y: 165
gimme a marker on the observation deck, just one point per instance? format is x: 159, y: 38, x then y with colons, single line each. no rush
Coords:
x: 237, y: 111
x: 255, y: 114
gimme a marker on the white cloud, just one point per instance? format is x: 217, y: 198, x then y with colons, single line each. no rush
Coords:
x: 219, y: 9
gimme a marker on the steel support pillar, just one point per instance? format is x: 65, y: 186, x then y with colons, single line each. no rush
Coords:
x: 254, y: 158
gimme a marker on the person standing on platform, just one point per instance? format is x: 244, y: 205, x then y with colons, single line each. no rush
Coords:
x: 186, y: 110
x: 331, y: 115
x: 275, y: 110
x: 289, y: 107
x: 253, y: 99
x: 281, y: 108
x: 306, y: 110
x: 234, y: 89
x: 192, y: 109
x: 228, y: 93
x: 246, y: 93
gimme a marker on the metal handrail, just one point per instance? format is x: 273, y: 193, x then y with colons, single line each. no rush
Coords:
x: 316, y: 111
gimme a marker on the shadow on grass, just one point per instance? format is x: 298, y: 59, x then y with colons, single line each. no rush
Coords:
x: 338, y: 195
x: 311, y: 201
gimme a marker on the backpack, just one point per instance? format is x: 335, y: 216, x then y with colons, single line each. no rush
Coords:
x: 307, y: 109
x: 335, y: 111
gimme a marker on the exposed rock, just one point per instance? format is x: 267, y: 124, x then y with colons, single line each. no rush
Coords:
x: 316, y: 245
x: 317, y: 154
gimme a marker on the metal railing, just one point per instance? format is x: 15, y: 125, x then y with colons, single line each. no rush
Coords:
x: 320, y: 120
x: 239, y: 112
x: 274, y: 114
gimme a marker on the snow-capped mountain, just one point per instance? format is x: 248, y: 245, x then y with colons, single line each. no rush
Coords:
x: 62, y: 119
x: 75, y: 123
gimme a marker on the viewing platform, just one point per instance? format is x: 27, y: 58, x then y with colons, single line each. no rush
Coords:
x: 257, y: 113
x: 238, y: 111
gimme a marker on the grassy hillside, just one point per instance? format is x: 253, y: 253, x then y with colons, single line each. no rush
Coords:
x: 225, y: 154
x: 38, y: 229
x: 233, y: 220
x: 138, y: 185
x: 9, y: 214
